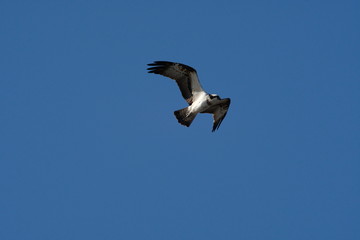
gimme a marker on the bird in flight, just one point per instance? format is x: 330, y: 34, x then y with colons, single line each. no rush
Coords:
x: 199, y: 101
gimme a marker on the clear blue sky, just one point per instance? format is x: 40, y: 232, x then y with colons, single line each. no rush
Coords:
x: 90, y: 149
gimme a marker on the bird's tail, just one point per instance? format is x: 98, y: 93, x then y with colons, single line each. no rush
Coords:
x: 184, y: 116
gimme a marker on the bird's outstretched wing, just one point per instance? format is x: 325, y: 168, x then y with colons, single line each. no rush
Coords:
x: 185, y: 76
x: 219, y: 111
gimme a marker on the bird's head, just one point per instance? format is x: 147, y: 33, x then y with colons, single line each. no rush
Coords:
x: 214, y: 96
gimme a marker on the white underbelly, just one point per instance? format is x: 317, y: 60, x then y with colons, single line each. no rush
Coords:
x: 200, y: 104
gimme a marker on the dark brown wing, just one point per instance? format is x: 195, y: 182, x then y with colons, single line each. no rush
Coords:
x: 185, y: 76
x: 219, y: 112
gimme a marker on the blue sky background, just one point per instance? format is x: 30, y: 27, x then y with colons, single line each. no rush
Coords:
x: 90, y: 149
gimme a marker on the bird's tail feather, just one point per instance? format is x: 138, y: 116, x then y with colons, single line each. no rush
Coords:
x: 184, y: 117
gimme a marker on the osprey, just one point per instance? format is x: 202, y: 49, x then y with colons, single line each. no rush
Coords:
x: 199, y: 101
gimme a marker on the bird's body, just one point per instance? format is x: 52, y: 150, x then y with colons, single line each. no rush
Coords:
x: 199, y: 101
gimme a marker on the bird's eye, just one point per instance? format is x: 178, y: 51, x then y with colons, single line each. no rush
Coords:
x: 212, y: 96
